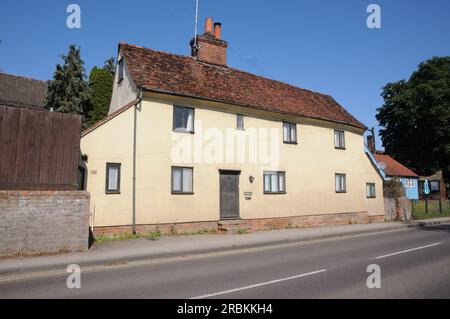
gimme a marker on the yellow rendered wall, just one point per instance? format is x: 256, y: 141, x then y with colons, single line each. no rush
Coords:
x: 310, y: 168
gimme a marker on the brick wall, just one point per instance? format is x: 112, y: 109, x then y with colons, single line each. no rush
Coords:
x: 36, y: 222
x: 247, y: 224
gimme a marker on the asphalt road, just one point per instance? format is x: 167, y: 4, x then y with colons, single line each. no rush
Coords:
x: 414, y: 264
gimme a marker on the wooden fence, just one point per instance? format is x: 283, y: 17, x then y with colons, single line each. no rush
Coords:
x: 39, y: 150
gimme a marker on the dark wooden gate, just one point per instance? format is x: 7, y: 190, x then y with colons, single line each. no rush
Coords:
x: 39, y: 150
x: 229, y: 194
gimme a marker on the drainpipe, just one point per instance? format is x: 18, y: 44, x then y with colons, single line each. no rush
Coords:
x: 136, y: 106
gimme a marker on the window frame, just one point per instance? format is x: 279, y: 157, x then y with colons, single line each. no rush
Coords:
x: 240, y: 116
x: 173, y: 192
x: 434, y: 189
x: 336, y: 175
x: 290, y: 125
x: 121, y: 71
x: 183, y: 130
x: 113, y: 191
x: 339, y: 147
x: 277, y: 173
x: 369, y: 195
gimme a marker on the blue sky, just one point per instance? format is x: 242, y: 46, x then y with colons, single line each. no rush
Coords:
x: 322, y: 45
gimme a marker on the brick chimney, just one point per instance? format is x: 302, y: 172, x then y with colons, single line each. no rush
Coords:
x: 210, y: 48
x: 371, y: 143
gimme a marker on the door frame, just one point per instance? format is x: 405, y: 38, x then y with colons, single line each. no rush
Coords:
x: 231, y: 172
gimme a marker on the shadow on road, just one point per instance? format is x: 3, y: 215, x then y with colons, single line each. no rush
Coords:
x: 440, y: 228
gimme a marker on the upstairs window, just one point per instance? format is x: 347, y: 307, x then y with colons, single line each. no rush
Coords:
x: 370, y: 190
x: 183, y: 119
x: 112, y: 178
x: 121, y: 71
x: 274, y: 182
x: 290, y: 133
x: 339, y: 139
x: 182, y: 180
x: 340, y: 181
x: 240, y: 122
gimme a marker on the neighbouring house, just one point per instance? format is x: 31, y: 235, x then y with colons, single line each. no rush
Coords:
x: 41, y: 210
x: 19, y: 91
x: 394, y: 170
x: 191, y: 143
x: 436, y: 185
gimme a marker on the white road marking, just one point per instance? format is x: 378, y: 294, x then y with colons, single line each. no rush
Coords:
x: 407, y: 251
x: 258, y: 285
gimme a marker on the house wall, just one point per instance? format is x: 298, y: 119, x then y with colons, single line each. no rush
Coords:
x: 125, y: 91
x: 310, y: 167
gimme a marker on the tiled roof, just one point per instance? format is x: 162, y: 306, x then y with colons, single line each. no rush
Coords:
x: 19, y: 91
x: 394, y: 168
x: 183, y: 75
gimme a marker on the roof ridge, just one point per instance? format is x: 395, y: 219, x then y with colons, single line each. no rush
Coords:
x: 23, y: 77
x: 227, y: 67
x: 170, y: 72
x: 158, y: 51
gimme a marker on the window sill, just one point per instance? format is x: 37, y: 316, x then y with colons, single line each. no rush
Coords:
x: 275, y: 193
x: 120, y: 81
x: 182, y: 193
x: 371, y: 197
x: 292, y: 143
x: 340, y: 148
x: 183, y: 131
x: 112, y: 192
x: 341, y: 192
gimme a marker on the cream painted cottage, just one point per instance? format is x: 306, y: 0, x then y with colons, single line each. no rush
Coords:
x: 193, y: 144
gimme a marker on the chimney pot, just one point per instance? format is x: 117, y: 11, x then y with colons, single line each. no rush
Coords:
x: 209, y: 25
x: 218, y: 30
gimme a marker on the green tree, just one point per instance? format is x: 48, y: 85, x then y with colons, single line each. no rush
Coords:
x: 101, y: 84
x: 68, y: 92
x: 110, y: 65
x: 415, y: 118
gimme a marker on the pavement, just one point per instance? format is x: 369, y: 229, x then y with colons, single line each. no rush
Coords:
x: 117, y: 252
x: 413, y: 263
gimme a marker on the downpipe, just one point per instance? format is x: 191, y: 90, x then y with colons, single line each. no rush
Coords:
x: 137, y: 106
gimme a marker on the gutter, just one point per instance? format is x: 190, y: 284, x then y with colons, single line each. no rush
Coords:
x: 374, y: 162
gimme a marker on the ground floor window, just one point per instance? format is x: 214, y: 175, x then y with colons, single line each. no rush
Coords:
x: 370, y: 190
x: 182, y: 180
x: 341, y: 182
x: 274, y: 182
x: 113, y: 178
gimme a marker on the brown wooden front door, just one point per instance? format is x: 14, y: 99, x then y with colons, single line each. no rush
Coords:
x: 229, y: 194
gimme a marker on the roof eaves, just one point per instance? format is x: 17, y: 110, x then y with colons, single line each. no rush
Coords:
x: 249, y: 106
x: 109, y: 117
